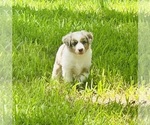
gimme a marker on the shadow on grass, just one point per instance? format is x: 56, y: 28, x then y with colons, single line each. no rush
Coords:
x: 115, y: 37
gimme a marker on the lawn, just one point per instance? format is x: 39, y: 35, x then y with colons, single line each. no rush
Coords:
x: 109, y: 95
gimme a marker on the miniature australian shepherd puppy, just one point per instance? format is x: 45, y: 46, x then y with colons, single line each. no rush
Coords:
x: 73, y: 58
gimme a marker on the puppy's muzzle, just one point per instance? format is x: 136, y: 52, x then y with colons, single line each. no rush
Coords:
x: 80, y: 50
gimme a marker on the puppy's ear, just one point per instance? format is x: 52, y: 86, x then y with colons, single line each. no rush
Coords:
x: 89, y: 35
x: 67, y: 39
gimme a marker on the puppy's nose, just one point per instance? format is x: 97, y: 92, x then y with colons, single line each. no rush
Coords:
x: 80, y: 50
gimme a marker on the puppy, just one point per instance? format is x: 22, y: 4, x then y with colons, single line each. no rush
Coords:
x: 73, y: 58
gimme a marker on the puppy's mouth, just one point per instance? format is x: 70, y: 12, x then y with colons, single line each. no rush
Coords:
x: 80, y: 53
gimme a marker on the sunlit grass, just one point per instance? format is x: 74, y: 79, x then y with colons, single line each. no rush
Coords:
x: 55, y: 103
x: 38, y: 27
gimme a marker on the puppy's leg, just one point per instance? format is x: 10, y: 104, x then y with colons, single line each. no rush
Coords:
x: 56, y: 71
x: 84, y: 75
x: 67, y: 75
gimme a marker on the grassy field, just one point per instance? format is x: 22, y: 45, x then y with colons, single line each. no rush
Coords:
x: 38, y: 27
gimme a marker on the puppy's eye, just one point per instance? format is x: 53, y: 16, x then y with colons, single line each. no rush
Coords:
x: 84, y: 42
x: 74, y: 43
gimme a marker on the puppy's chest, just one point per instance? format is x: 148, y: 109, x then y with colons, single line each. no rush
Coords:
x: 77, y: 69
x: 77, y: 64
x: 80, y: 66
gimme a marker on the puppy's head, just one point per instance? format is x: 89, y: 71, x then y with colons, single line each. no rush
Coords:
x: 78, y: 42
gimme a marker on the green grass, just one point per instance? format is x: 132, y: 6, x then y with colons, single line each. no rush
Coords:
x: 56, y: 104
x: 38, y: 27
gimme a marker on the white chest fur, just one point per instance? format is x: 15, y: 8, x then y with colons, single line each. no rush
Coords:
x: 76, y: 63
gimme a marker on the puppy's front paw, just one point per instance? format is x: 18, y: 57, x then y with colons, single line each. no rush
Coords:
x: 83, y: 77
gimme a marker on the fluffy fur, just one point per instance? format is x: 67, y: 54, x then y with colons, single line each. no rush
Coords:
x: 73, y: 58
